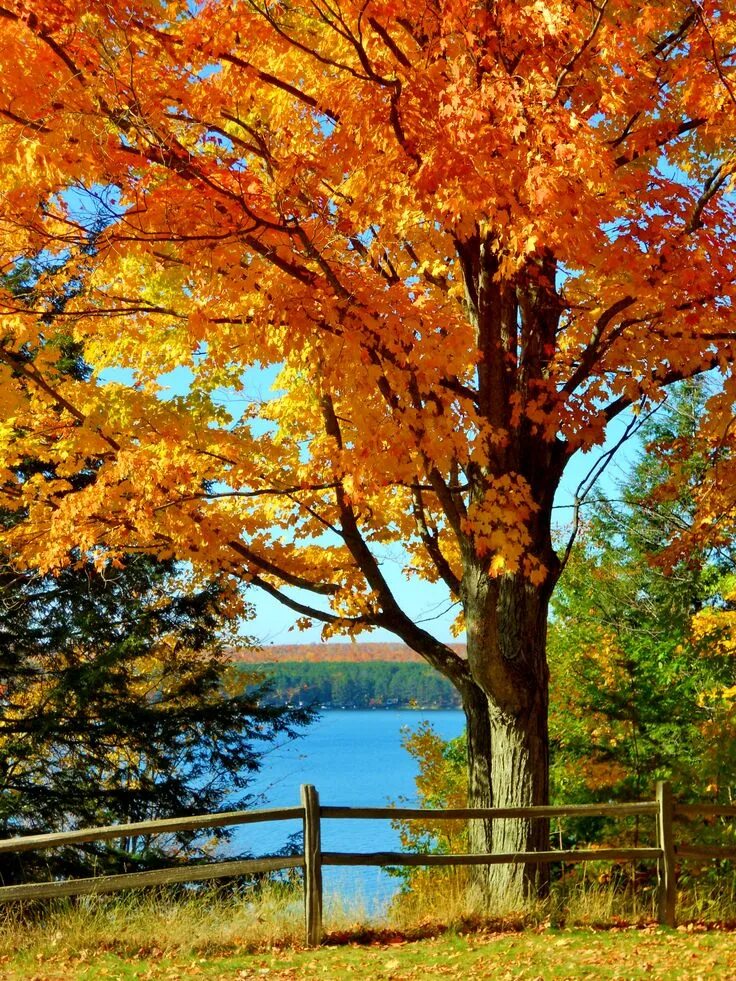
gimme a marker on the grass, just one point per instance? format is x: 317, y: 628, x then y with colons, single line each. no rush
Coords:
x: 544, y: 953
x: 589, y: 894
x: 581, y: 931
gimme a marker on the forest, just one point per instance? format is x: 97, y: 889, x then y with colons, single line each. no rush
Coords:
x: 352, y: 652
x: 363, y: 685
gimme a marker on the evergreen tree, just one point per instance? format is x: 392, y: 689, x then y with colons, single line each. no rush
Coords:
x: 635, y: 674
x: 118, y: 703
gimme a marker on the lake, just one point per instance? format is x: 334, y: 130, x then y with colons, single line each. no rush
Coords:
x: 353, y: 758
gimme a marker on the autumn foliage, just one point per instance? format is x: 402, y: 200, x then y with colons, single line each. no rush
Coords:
x: 304, y: 186
x: 462, y: 238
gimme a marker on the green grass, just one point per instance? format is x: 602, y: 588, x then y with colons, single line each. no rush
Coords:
x: 619, y: 953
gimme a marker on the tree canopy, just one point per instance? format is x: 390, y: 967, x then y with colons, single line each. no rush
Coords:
x: 356, y: 191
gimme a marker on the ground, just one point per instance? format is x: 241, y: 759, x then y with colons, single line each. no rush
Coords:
x: 648, y: 952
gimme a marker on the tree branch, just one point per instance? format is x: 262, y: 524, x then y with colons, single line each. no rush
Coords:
x: 389, y: 42
x: 432, y: 545
x: 662, y: 379
x: 26, y: 370
x: 590, y: 354
x: 577, y: 55
x: 680, y: 130
x: 392, y: 617
x: 289, y: 578
x: 310, y: 611
x: 712, y: 186
x: 593, y: 475
x: 279, y: 83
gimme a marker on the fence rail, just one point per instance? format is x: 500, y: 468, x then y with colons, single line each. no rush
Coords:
x: 162, y: 826
x: 455, y: 813
x: 313, y: 859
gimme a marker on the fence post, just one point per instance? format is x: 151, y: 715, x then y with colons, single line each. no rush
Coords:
x: 667, y: 887
x: 312, y: 865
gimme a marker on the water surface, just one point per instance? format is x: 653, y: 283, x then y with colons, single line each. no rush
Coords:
x: 355, y: 759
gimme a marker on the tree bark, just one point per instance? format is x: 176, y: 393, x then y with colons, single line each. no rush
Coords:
x: 480, y: 780
x: 508, y: 745
x: 520, y: 764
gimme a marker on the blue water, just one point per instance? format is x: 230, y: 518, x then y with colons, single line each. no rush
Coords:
x: 353, y: 758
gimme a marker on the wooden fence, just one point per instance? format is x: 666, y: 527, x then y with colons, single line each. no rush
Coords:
x: 665, y: 853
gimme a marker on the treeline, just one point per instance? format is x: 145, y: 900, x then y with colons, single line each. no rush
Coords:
x: 359, y: 685
x: 353, y: 652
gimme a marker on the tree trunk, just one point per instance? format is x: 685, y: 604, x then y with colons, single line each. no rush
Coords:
x: 520, y: 767
x: 508, y: 743
x: 480, y: 782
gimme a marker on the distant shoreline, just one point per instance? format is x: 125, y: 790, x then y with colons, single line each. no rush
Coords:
x: 358, y: 684
x: 378, y: 708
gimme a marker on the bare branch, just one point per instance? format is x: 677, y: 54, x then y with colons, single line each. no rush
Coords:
x: 596, y: 471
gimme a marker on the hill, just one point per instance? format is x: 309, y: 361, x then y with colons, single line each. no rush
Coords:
x: 359, y: 653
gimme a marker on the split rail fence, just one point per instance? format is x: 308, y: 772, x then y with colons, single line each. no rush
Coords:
x: 313, y: 859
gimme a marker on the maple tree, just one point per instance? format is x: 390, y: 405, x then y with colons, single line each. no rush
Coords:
x: 469, y: 235
x: 641, y: 660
